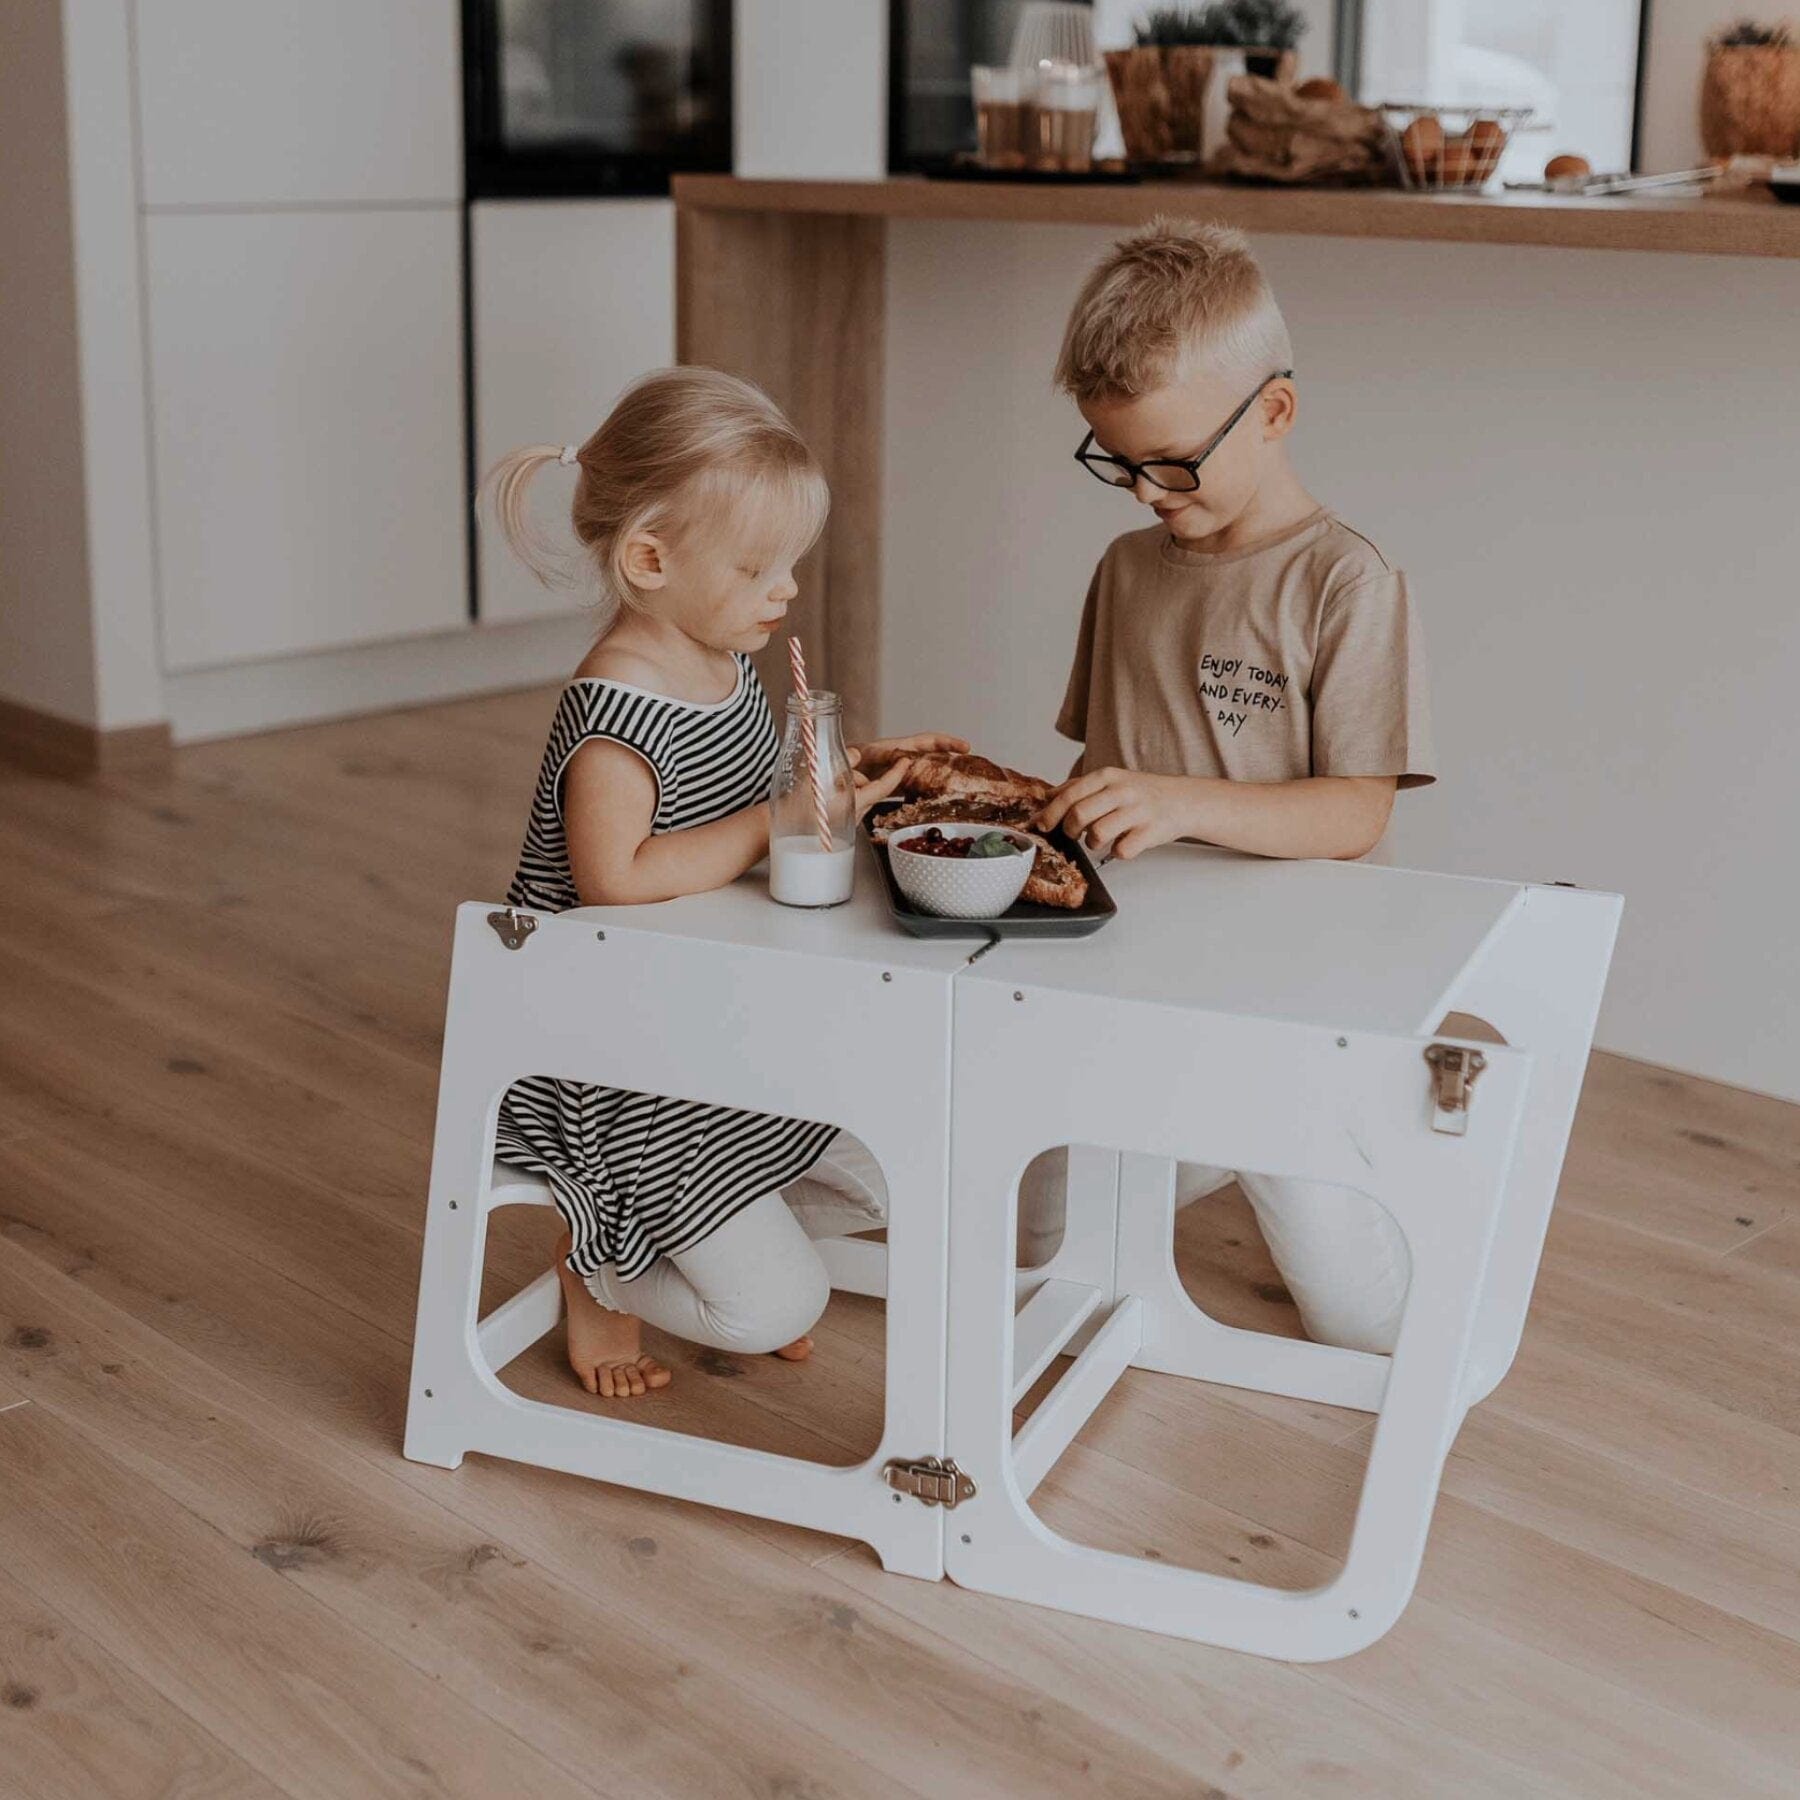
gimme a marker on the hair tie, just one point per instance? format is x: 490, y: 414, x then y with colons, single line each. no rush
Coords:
x: 569, y: 453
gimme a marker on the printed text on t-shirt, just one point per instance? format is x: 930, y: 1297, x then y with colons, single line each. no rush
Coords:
x: 1241, y: 688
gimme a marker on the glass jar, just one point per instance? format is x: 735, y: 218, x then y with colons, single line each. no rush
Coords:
x: 812, y: 807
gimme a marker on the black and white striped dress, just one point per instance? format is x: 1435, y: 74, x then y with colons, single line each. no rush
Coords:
x: 636, y: 1176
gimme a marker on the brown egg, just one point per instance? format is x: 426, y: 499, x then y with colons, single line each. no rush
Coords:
x: 1459, y: 165
x: 1564, y: 167
x: 1422, y: 144
x: 1320, y: 87
x: 1486, y: 139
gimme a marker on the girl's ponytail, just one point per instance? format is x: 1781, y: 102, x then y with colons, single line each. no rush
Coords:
x: 682, y: 448
x: 508, y: 483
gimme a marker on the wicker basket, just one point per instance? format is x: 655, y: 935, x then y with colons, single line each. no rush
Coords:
x: 1750, y: 100
x: 1160, y: 94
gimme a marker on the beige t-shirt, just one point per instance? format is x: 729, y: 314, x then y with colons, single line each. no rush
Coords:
x: 1297, y: 656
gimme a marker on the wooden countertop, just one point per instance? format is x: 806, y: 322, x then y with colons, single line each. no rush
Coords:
x: 1751, y: 224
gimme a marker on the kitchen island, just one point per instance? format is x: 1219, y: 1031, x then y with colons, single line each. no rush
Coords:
x: 784, y: 281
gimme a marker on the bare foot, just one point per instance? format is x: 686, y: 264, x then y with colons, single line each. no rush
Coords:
x: 798, y: 1351
x: 605, y: 1347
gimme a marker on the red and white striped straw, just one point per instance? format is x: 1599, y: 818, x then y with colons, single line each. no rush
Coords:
x: 809, y: 744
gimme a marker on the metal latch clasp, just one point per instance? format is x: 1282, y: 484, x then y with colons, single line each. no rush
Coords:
x: 936, y: 1481
x: 1453, y: 1071
x: 512, y: 927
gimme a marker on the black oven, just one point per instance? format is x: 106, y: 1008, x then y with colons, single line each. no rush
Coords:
x: 595, y: 97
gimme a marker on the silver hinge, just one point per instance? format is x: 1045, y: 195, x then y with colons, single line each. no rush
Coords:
x: 513, y: 927
x: 1453, y: 1071
x: 936, y: 1481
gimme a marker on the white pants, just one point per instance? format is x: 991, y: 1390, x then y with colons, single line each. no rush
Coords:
x: 1340, y: 1253
x: 757, y: 1283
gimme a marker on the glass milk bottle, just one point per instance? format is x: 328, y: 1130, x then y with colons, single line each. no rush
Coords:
x: 812, y: 807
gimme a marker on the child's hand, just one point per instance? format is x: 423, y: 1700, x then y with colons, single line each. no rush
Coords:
x: 871, y: 792
x: 881, y: 751
x: 1121, y: 810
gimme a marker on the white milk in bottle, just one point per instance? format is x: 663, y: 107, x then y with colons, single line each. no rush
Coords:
x: 802, y: 872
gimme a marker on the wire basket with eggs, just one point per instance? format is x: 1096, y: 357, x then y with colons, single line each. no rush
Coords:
x: 1439, y: 148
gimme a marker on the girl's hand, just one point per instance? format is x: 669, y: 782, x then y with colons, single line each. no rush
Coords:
x: 872, y: 791
x: 1121, y: 810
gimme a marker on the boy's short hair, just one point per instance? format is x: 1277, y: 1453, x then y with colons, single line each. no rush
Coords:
x: 1173, y: 293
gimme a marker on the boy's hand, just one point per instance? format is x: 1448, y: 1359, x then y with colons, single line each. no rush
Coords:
x: 1121, y: 810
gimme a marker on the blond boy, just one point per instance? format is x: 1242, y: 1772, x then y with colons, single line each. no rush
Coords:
x: 1248, y: 671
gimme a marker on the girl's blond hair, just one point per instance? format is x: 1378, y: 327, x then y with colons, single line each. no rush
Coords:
x: 1172, y: 296
x: 683, y: 449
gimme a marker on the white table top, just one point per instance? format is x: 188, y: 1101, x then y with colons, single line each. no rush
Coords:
x: 1343, y: 944
x: 858, y: 931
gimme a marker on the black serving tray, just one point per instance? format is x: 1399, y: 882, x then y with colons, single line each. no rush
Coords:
x: 1023, y: 919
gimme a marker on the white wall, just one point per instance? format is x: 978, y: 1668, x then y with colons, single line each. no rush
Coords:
x: 1584, y: 460
x: 1675, y: 57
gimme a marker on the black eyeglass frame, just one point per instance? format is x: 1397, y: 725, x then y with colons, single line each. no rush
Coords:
x: 1189, y: 465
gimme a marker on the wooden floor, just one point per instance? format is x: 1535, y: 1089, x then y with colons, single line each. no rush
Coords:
x: 221, y: 990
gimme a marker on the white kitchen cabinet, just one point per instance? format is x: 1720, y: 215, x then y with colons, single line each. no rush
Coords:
x: 263, y: 102
x: 573, y: 299
x: 306, y: 399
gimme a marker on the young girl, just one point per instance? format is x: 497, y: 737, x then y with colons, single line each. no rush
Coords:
x: 693, y: 502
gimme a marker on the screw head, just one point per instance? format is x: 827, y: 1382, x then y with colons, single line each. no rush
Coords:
x: 600, y: 937
x: 1343, y: 1043
x: 967, y: 1539
x: 1017, y: 995
x: 1354, y: 1613
x: 887, y: 975
x: 428, y: 1393
x: 453, y: 1206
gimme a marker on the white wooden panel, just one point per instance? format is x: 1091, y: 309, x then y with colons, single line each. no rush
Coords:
x: 299, y: 101
x: 732, y: 1021
x: 307, y: 404
x: 572, y: 301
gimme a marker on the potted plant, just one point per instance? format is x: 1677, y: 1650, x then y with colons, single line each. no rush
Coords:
x: 1750, y: 93
x: 1268, y: 32
x: 1160, y: 85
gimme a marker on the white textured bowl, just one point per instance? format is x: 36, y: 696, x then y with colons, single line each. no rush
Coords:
x: 953, y: 887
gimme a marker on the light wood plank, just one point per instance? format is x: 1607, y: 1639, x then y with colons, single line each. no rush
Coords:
x: 1732, y: 1291
x: 1573, y: 1382
x: 1589, y: 1607
x: 813, y: 336
x: 1692, y: 1160
x: 1750, y: 225
x: 1568, y: 1730
x: 77, y: 1724
x: 1739, y: 1561
x: 1777, y: 1249
x: 224, y: 1636
x: 597, y: 1697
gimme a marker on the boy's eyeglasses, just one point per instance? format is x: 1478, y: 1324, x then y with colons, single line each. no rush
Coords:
x: 1173, y: 475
